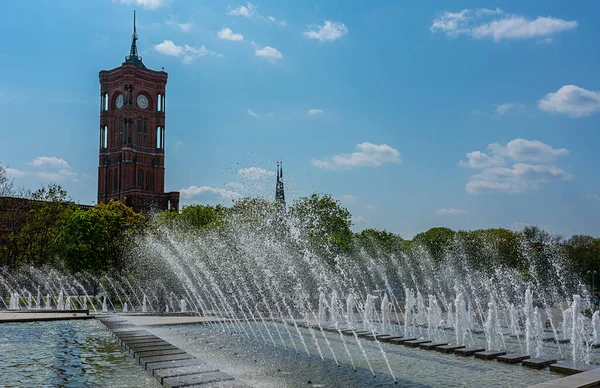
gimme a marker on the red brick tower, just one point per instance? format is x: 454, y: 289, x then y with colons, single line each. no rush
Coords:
x: 132, y: 136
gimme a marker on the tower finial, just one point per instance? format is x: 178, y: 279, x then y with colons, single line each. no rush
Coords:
x: 133, y: 52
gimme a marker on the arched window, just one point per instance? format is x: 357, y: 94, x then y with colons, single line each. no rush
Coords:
x: 116, y: 187
x: 148, y: 180
x: 159, y: 137
x: 110, y: 181
x: 141, y: 178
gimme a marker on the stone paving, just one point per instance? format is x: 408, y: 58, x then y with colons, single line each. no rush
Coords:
x: 171, y: 366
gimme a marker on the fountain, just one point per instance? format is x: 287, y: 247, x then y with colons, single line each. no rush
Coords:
x: 386, y: 309
x: 350, y: 306
x: 14, y: 301
x: 278, y: 294
x: 60, y: 304
x: 322, y: 313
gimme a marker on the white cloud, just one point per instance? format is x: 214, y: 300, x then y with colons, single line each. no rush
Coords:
x: 521, y: 177
x: 227, y: 34
x: 347, y: 199
x: 14, y: 173
x: 251, y: 113
x: 503, y: 108
x: 148, y: 4
x: 450, y: 212
x: 255, y: 173
x: 270, y: 53
x: 329, y: 31
x: 208, y: 193
x: 519, y: 150
x: 312, y: 112
x: 49, y: 162
x: 522, y: 150
x: 508, y: 107
x: 571, y: 100
x: 370, y: 155
x: 478, y: 159
x: 189, y: 53
x: 359, y: 220
x: 248, y: 11
x: 47, y: 169
x: 370, y: 206
x: 497, y: 25
x: 185, y: 27
x: 167, y: 47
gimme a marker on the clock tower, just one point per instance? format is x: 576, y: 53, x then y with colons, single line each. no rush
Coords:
x: 132, y: 135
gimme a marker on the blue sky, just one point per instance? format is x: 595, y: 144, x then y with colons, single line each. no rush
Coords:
x: 466, y: 114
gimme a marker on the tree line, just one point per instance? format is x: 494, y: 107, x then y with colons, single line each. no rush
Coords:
x: 50, y: 230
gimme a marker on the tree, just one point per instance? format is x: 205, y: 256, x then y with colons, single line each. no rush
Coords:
x: 201, y: 216
x: 324, y: 222
x: 98, y: 239
x: 373, y: 239
x: 437, y: 241
x: 49, y: 209
x: 584, y: 255
x: 6, y: 183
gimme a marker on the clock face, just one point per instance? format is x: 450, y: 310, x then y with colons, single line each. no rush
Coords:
x: 119, y: 101
x: 142, y: 101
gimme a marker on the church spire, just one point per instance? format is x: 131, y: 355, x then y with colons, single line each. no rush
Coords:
x: 279, y: 191
x: 133, y: 52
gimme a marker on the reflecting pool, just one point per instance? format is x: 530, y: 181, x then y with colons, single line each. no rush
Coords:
x: 67, y: 354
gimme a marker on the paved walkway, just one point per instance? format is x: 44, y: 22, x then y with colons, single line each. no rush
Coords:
x: 171, y: 366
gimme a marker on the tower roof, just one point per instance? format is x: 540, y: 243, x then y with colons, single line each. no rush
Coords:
x: 133, y: 53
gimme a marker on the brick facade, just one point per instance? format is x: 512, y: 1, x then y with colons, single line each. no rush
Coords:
x: 132, y: 153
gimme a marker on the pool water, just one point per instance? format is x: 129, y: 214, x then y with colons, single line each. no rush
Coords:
x: 261, y: 364
x: 67, y: 354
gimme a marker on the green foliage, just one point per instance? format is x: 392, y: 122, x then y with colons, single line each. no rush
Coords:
x: 584, y: 256
x: 201, y: 216
x: 436, y: 241
x: 95, y: 240
x: 324, y: 222
x: 34, y: 240
x: 373, y: 239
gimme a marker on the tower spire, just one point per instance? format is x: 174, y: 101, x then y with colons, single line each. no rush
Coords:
x: 133, y: 52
